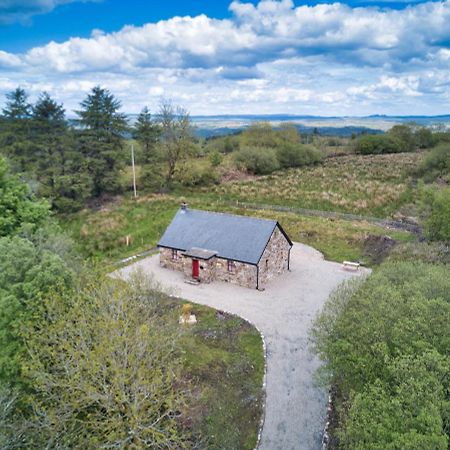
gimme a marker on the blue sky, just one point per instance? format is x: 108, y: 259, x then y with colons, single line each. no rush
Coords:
x: 217, y: 57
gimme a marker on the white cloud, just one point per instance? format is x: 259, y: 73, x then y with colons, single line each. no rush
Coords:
x: 273, y: 56
x: 8, y: 60
x: 268, y: 31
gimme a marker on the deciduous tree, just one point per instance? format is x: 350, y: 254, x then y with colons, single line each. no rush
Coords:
x: 105, y: 371
x: 176, y: 140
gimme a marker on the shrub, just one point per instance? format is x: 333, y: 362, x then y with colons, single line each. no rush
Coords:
x: 405, y: 137
x: 385, y: 343
x: 197, y: 175
x: 229, y: 144
x: 152, y: 178
x: 296, y: 155
x: 429, y: 252
x: 257, y: 160
x: 437, y: 206
x: 424, y: 138
x: 377, y: 144
x: 441, y: 136
x: 215, y: 158
x: 436, y: 163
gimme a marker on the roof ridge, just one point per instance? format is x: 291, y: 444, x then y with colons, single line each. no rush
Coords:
x: 229, y: 214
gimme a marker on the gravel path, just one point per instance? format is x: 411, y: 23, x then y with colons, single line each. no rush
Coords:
x: 295, y: 407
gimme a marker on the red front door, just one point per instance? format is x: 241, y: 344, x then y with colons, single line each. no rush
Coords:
x: 195, y: 268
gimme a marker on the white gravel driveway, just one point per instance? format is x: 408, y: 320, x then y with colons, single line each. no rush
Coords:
x: 295, y: 408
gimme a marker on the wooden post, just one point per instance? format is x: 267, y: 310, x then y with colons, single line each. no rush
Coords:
x: 134, y: 170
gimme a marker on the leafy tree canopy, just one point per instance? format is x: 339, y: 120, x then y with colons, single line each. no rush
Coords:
x: 19, y: 210
x: 392, y: 369
x: 105, y: 371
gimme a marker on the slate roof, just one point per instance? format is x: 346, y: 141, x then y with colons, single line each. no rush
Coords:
x: 238, y: 238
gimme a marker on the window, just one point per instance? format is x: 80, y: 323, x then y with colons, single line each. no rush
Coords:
x: 231, y: 266
x: 174, y: 254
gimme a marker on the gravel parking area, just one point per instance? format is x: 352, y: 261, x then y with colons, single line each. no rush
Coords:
x: 295, y: 408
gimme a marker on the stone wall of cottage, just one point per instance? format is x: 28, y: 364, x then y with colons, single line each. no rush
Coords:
x: 183, y: 264
x: 166, y: 259
x: 243, y: 274
x: 274, y: 260
x: 213, y: 269
x: 206, y: 270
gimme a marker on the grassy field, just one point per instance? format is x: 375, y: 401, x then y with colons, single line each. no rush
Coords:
x: 374, y: 185
x: 101, y: 234
x: 224, y: 364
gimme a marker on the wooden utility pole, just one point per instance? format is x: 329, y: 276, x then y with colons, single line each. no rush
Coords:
x: 134, y: 170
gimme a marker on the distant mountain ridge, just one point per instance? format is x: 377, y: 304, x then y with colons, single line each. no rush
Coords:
x: 206, y: 126
x: 215, y: 125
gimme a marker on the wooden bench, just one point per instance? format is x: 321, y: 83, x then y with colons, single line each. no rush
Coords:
x: 348, y: 265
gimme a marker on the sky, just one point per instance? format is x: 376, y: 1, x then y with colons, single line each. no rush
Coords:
x: 353, y: 58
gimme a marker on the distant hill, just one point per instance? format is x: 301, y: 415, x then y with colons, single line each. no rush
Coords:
x: 219, y: 125
x: 207, y: 126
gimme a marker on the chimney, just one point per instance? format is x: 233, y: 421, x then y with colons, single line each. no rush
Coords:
x: 184, y: 206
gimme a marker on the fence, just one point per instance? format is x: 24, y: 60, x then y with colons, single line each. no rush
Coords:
x: 385, y: 223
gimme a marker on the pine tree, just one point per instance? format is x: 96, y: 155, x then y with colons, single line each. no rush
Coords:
x: 15, y: 140
x: 101, y: 141
x: 17, y: 106
x: 146, y: 131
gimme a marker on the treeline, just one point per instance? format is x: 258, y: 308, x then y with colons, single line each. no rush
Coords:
x: 400, y: 138
x: 70, y: 165
x: 85, y: 361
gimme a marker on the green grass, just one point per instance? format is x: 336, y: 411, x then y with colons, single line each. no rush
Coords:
x: 100, y: 234
x: 224, y: 363
x: 374, y: 185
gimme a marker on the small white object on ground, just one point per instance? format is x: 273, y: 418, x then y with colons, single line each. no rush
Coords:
x: 187, y: 320
x: 349, y: 265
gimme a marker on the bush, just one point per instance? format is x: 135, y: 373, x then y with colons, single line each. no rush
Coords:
x: 257, y: 160
x: 441, y: 136
x: 377, y: 144
x: 429, y: 252
x: 215, y: 158
x: 152, y: 178
x: 436, y: 163
x: 291, y: 155
x: 424, y: 138
x: 405, y: 137
x: 385, y: 343
x: 437, y: 209
x: 197, y: 175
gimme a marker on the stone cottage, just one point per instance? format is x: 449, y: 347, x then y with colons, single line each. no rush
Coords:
x: 209, y: 246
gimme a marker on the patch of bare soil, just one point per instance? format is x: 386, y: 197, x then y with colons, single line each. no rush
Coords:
x: 377, y: 248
